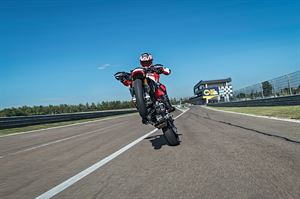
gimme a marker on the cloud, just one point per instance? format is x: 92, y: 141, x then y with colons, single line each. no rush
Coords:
x: 104, y: 66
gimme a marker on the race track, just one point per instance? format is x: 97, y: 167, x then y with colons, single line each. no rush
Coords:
x: 222, y: 155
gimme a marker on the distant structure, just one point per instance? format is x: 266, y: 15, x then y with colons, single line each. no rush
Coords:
x: 212, y: 91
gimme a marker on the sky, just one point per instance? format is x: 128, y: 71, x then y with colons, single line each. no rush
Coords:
x: 67, y: 51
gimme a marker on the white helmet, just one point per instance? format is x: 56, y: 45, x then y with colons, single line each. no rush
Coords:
x: 146, y: 59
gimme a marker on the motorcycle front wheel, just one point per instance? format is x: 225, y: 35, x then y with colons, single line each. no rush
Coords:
x: 140, y: 100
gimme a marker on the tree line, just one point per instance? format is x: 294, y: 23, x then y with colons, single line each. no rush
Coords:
x: 67, y: 108
x: 64, y: 108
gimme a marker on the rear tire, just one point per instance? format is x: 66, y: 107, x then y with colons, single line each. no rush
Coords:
x: 171, y: 136
x: 140, y: 100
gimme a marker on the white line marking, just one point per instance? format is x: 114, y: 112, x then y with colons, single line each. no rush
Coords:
x: 57, y: 141
x: 180, y: 109
x: 251, y: 115
x: 76, y: 124
x: 59, y: 188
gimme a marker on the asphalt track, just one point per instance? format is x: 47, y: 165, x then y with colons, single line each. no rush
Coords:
x: 222, y: 155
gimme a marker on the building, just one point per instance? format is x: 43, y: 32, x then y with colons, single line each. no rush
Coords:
x: 211, y: 91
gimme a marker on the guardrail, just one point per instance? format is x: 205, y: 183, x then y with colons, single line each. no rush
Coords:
x: 275, y: 101
x: 21, y: 121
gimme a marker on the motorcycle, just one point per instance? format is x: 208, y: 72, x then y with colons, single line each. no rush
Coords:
x: 151, y: 103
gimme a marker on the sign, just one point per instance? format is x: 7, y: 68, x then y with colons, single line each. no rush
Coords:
x: 208, y: 97
x: 209, y: 93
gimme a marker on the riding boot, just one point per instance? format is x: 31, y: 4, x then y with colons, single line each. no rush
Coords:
x: 168, y: 103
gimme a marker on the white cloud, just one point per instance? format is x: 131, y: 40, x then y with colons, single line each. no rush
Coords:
x: 104, y: 66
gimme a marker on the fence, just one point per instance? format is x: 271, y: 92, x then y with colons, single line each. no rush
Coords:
x: 281, y: 86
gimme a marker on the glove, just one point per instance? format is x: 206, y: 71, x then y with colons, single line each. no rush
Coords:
x: 159, y: 70
x: 118, y: 76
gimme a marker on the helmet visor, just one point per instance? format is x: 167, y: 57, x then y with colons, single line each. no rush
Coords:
x: 146, y: 63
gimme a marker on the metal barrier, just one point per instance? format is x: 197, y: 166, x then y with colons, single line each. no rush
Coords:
x: 274, y: 101
x: 21, y: 121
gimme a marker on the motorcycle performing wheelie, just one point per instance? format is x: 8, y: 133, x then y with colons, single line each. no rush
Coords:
x: 150, y: 98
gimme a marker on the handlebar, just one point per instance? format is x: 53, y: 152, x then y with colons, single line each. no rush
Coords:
x: 153, y: 68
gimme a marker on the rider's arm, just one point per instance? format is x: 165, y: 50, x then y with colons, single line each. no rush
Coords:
x: 163, y: 70
x: 160, y: 69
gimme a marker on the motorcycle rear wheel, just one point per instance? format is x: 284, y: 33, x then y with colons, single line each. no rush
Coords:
x: 171, y: 136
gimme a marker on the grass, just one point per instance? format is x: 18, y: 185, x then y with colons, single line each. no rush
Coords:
x: 290, y: 112
x: 56, y: 124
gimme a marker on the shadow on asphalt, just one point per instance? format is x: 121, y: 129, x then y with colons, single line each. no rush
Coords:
x: 157, y: 141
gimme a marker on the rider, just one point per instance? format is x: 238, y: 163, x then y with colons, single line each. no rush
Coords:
x: 146, y: 61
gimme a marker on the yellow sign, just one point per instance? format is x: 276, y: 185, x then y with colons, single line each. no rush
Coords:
x: 208, y: 97
x: 210, y: 92
x: 206, y: 92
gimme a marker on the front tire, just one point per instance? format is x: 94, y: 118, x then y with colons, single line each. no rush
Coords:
x: 171, y: 136
x: 140, y: 100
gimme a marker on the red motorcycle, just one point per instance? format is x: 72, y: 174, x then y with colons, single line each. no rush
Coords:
x: 150, y: 102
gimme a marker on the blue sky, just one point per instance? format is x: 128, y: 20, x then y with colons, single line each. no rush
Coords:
x: 54, y: 52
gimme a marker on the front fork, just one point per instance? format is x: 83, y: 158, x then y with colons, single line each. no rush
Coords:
x: 147, y: 91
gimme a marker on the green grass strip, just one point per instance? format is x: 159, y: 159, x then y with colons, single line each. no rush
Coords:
x: 290, y: 112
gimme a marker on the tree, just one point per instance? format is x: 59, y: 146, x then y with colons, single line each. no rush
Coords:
x: 93, y: 107
x: 298, y: 90
x: 267, y: 88
x: 87, y: 107
x: 285, y: 91
x: 241, y: 95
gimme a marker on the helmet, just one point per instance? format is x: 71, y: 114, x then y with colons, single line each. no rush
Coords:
x: 146, y: 59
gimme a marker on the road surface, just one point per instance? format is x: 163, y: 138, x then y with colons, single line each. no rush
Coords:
x: 221, y: 155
